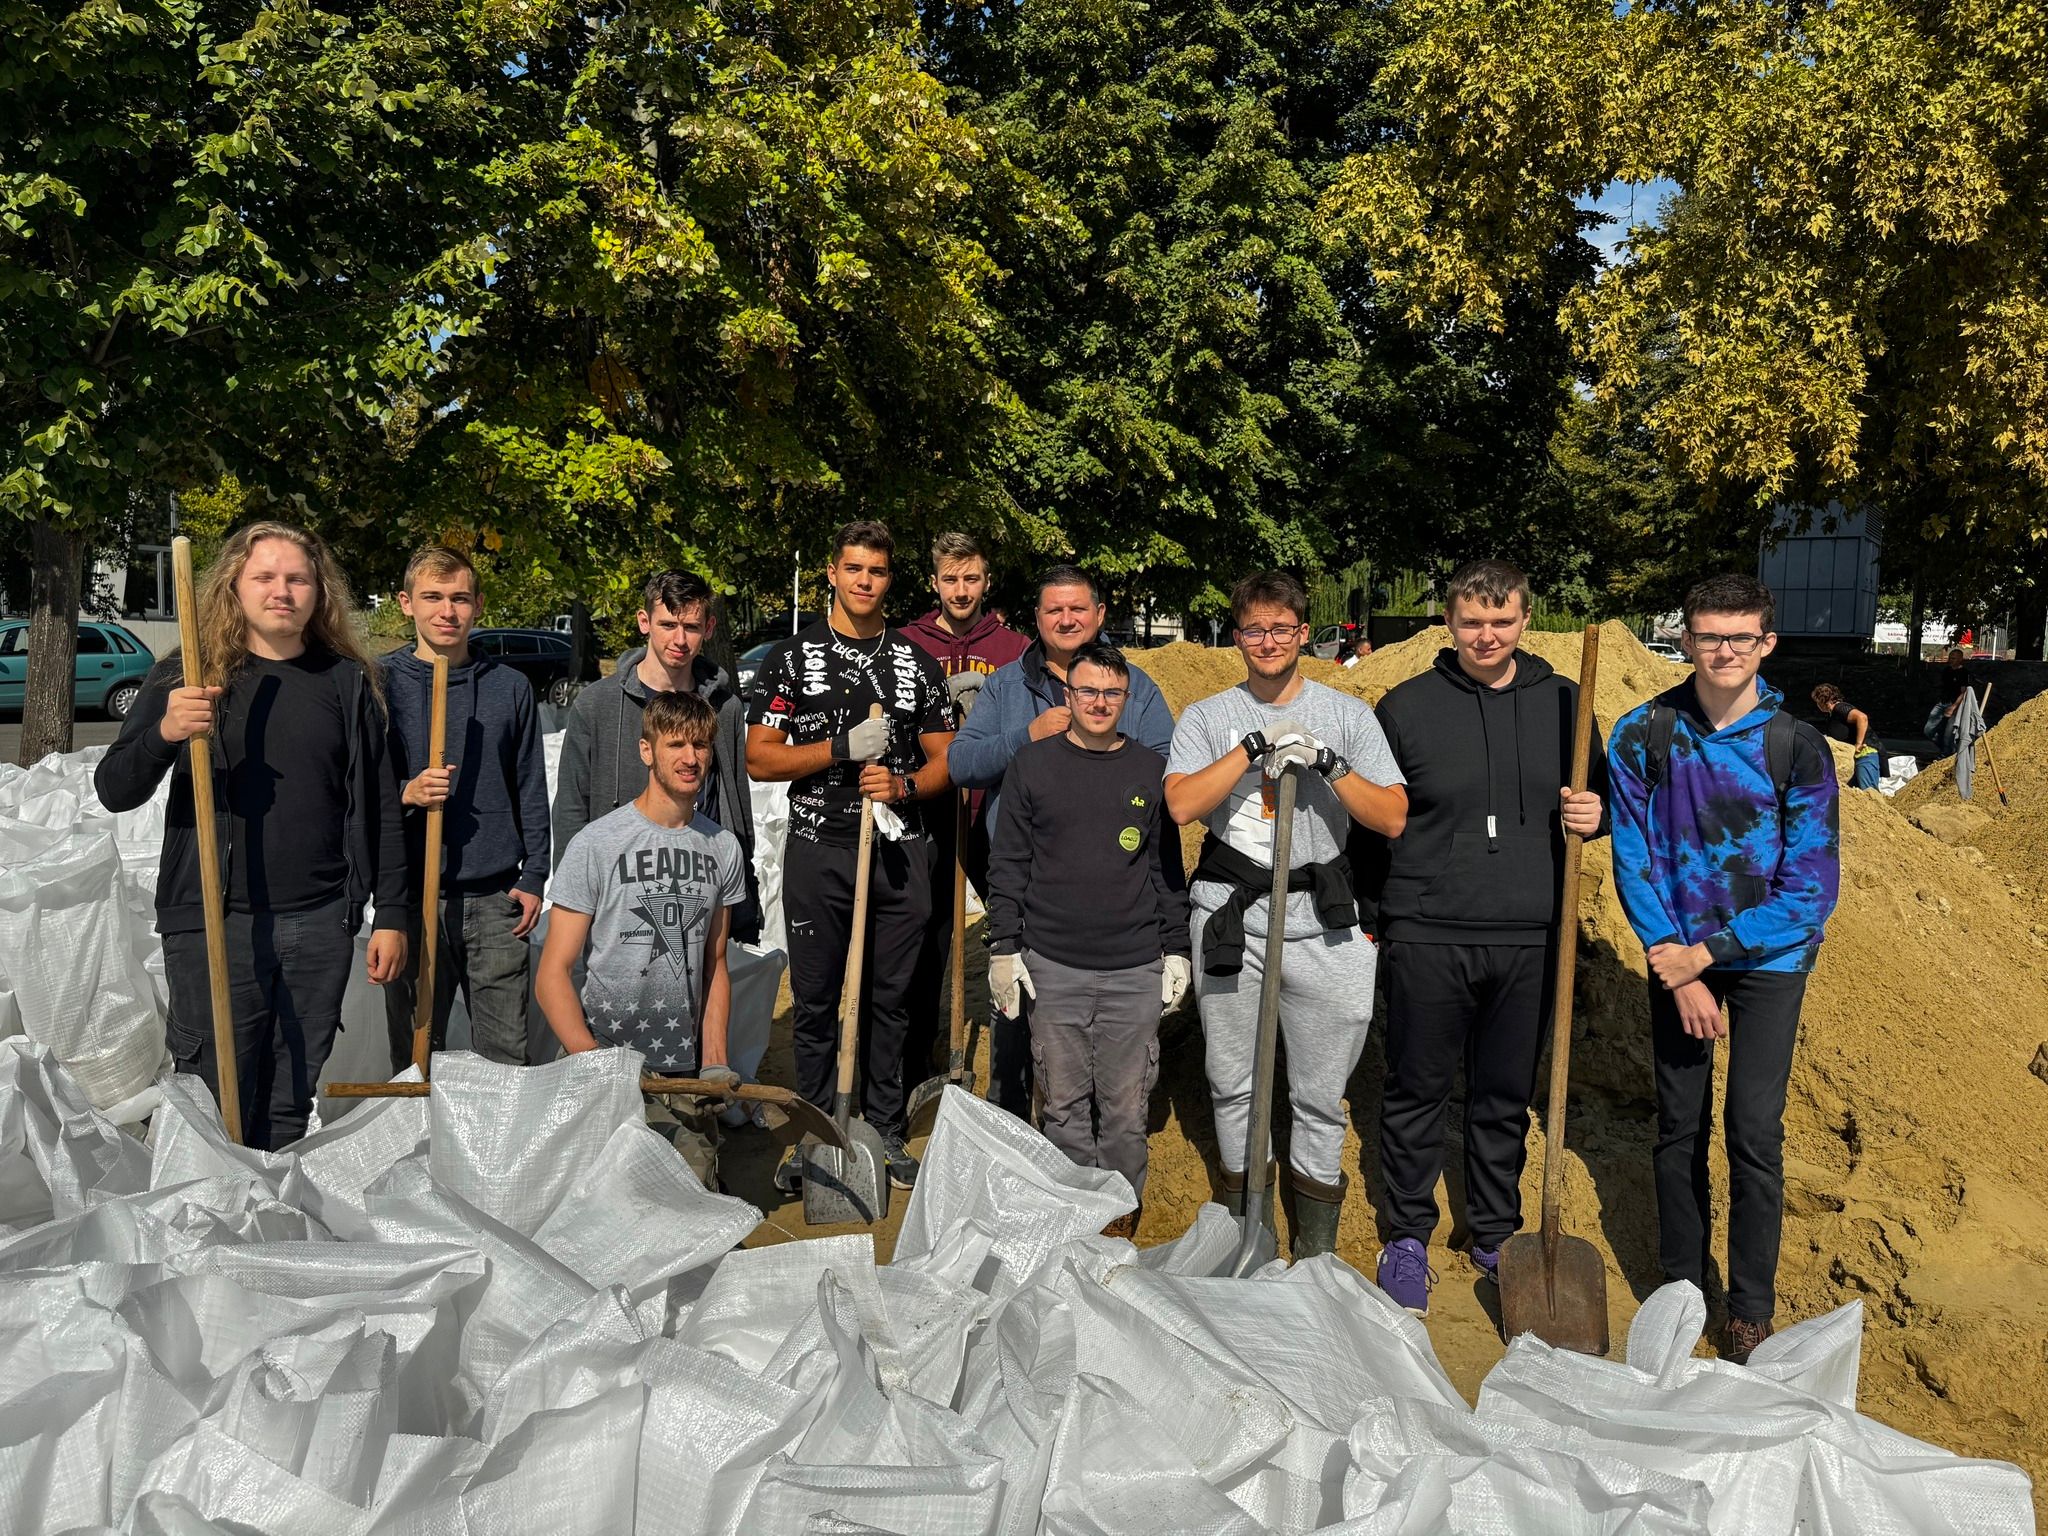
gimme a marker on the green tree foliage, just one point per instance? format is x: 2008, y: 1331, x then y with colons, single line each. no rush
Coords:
x: 1845, y: 297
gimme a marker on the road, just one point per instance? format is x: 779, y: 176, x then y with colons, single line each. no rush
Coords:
x: 86, y: 733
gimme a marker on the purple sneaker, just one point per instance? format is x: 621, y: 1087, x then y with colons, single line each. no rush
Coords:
x: 1488, y: 1260
x: 1405, y: 1275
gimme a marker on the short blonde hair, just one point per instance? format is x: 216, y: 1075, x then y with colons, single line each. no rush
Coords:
x: 438, y: 561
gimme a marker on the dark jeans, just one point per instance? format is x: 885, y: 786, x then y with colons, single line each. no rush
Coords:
x: 817, y: 904
x: 1485, y: 1007
x: 1763, y: 1027
x: 286, y: 974
x: 478, y: 954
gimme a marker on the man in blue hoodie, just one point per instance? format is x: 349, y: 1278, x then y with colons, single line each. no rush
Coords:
x: 493, y: 793
x: 1727, y: 858
x: 1023, y: 702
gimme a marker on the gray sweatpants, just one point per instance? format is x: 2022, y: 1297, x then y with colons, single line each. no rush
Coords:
x: 1325, y: 1010
x: 1095, y: 1047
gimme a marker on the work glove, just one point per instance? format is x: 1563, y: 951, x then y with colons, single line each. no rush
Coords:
x: 1175, y: 974
x: 1305, y: 750
x: 1255, y: 746
x: 963, y: 688
x: 864, y: 743
x: 723, y: 1079
x: 1007, y: 979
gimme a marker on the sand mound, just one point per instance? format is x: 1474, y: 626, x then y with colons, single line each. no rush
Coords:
x: 1913, y: 1160
x: 2013, y: 837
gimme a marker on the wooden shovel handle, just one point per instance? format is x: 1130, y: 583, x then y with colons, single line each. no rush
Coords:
x: 857, y: 948
x: 1567, y: 951
x: 227, y: 1071
x: 956, y: 1063
x: 430, y: 887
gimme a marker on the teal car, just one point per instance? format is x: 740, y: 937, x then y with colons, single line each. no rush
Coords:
x: 108, y: 675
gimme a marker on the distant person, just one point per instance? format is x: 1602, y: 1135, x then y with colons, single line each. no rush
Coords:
x: 1227, y: 752
x: 1023, y: 702
x: 969, y: 643
x: 643, y: 901
x: 1941, y: 720
x: 809, y: 727
x: 1468, y: 916
x: 308, y: 810
x: 1088, y: 921
x: 1727, y: 859
x: 601, y: 768
x: 494, y: 799
x: 1845, y: 723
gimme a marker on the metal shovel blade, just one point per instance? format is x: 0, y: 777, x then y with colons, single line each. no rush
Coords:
x: 1566, y: 1305
x: 848, y: 1186
x: 924, y: 1099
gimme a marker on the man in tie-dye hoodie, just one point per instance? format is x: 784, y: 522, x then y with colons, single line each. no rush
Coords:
x: 1727, y: 858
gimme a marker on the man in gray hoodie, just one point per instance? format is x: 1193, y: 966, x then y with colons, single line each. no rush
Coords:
x: 601, y: 768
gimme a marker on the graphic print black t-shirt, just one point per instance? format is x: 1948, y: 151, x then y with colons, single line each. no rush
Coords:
x: 819, y: 684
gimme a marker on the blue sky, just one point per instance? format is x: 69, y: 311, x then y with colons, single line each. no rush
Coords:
x: 1625, y: 204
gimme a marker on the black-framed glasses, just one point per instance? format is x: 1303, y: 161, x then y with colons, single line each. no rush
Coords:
x: 1256, y: 635
x: 1105, y: 695
x: 1741, y: 645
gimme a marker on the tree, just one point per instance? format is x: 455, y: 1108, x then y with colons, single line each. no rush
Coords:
x: 1843, y: 300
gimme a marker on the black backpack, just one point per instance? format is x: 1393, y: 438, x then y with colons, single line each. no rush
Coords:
x: 1782, y: 738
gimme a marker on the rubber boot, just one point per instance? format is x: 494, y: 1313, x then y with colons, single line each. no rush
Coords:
x: 1233, y: 1194
x: 1312, y: 1215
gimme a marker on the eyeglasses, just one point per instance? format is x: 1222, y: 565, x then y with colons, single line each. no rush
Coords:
x: 1741, y: 645
x: 1106, y: 695
x: 1256, y: 635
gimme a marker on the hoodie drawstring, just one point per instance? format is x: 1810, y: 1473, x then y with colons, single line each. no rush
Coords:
x: 1486, y: 746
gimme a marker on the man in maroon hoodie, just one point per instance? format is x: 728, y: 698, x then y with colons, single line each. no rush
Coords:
x: 968, y: 643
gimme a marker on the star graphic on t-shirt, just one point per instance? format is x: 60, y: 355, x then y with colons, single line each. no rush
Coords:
x: 669, y: 915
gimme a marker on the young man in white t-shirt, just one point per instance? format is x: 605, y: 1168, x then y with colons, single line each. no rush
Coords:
x: 644, y: 898
x: 1228, y: 751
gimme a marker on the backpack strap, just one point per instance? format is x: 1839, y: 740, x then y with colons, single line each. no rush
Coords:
x: 1781, y: 748
x: 1657, y: 755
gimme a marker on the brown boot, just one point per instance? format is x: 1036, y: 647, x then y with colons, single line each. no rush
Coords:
x: 1743, y: 1336
x: 1125, y: 1226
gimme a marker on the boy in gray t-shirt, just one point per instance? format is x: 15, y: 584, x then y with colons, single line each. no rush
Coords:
x: 643, y: 898
x: 1228, y: 751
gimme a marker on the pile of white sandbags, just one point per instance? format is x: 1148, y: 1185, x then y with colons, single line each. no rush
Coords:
x: 510, y: 1308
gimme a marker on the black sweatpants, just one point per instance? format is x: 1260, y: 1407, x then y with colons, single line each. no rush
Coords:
x: 931, y: 1000
x: 287, y: 972
x: 817, y: 905
x: 1485, y: 1007
x: 1763, y: 1027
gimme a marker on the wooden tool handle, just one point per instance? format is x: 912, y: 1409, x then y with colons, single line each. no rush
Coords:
x: 213, y: 906
x: 1567, y: 952
x: 430, y: 886
x: 956, y: 1063
x: 857, y: 947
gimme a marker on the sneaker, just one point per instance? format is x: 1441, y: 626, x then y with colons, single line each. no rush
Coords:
x: 1405, y: 1275
x: 901, y: 1165
x: 1743, y: 1336
x: 1488, y: 1260
x: 789, y: 1173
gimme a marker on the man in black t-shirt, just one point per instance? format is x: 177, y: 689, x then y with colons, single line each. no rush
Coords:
x: 1845, y: 723
x: 808, y: 725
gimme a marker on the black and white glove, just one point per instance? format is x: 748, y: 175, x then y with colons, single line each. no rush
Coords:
x: 1307, y: 751
x: 1255, y: 746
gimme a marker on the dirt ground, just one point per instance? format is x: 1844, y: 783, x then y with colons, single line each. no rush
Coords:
x: 1915, y: 1160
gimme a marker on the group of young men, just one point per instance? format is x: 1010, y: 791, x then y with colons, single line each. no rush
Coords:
x: 1427, y: 839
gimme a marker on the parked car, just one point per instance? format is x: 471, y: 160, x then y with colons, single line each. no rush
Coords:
x: 545, y: 658
x: 749, y: 661
x: 1664, y: 650
x: 107, y: 675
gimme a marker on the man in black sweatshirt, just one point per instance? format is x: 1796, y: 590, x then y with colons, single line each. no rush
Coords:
x: 493, y: 793
x: 305, y: 810
x: 1088, y: 915
x: 1468, y: 915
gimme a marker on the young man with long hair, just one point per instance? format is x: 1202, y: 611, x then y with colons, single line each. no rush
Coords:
x: 493, y: 793
x: 1228, y: 752
x: 307, y: 809
x: 810, y: 728
x: 1727, y: 859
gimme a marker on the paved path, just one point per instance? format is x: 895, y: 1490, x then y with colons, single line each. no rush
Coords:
x: 86, y: 733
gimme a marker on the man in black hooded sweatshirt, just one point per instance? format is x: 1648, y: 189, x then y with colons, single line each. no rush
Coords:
x: 1468, y: 915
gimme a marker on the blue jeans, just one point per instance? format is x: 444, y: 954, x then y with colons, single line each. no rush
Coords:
x: 286, y: 974
x: 1869, y: 770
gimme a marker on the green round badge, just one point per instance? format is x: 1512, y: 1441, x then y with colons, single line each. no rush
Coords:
x: 1129, y: 838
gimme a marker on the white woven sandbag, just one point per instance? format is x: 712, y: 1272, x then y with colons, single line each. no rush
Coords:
x: 55, y: 1154
x: 1116, y: 1471
x: 53, y: 1451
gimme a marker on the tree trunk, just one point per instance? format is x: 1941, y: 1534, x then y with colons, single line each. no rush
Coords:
x: 2030, y: 619
x: 54, y: 557
x: 1916, y: 620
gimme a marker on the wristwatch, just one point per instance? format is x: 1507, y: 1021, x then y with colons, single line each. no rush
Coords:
x: 1338, y: 769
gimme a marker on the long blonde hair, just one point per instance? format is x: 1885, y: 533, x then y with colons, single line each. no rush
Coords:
x: 224, y: 632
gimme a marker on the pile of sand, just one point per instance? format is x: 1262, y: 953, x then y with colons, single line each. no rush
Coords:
x: 2013, y: 836
x: 1914, y: 1159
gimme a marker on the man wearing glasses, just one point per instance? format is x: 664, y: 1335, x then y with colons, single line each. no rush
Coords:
x: 1727, y: 860
x: 1228, y: 752
x: 1082, y: 832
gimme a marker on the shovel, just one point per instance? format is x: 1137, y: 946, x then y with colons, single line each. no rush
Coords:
x: 1258, y: 1197
x: 1984, y: 741
x: 846, y: 1183
x: 213, y: 907
x: 1552, y: 1285
x: 925, y: 1097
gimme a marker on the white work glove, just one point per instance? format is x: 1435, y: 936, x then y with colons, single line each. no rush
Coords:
x: 1303, y: 749
x: 725, y: 1079
x: 1174, y: 975
x: 864, y: 743
x: 963, y: 688
x: 1007, y: 978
